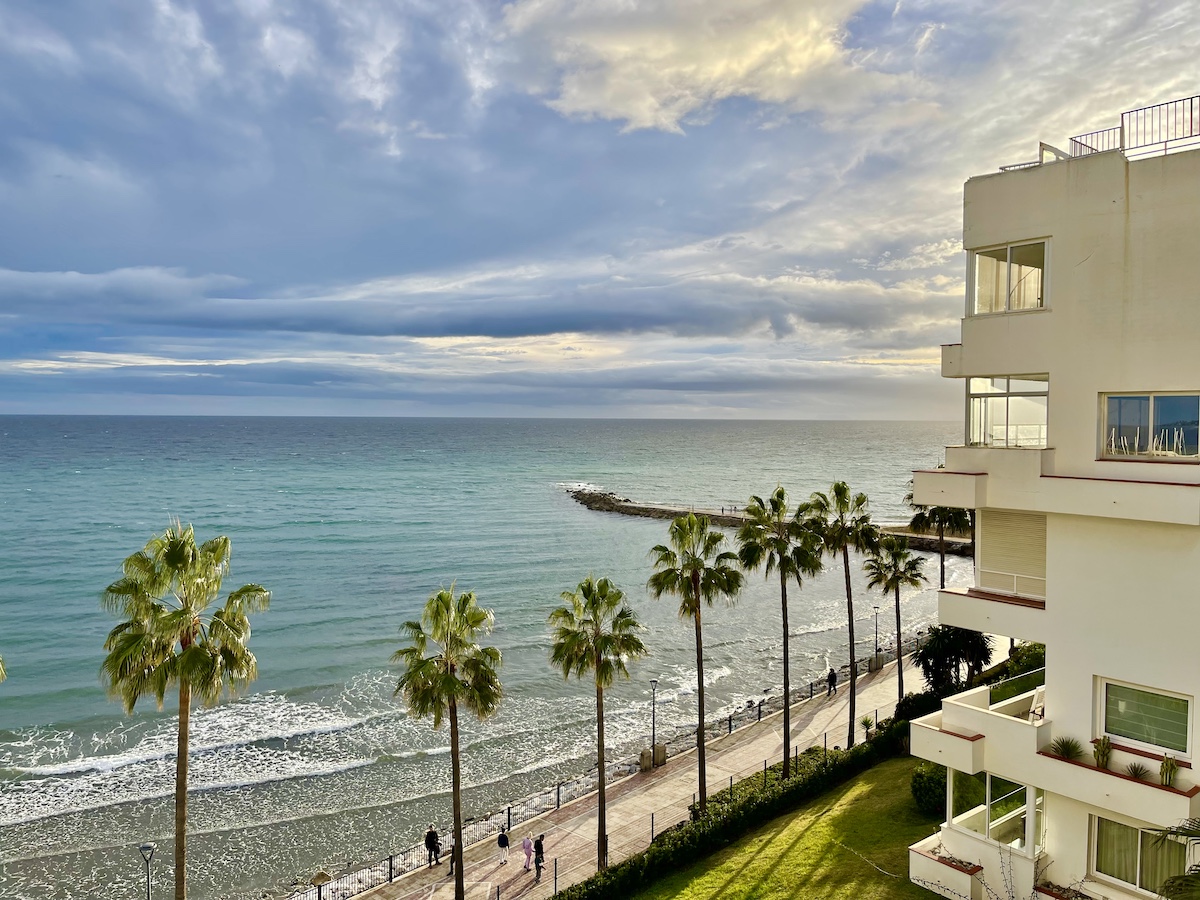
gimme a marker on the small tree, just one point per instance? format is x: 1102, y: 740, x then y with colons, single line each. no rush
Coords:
x: 445, y: 668
x: 776, y: 539
x: 595, y: 631
x: 697, y: 571
x: 842, y: 522
x: 172, y: 636
x: 891, y: 567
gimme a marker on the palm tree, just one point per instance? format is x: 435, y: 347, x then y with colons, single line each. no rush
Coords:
x: 445, y: 668
x: 842, y: 521
x: 944, y: 520
x: 1187, y: 885
x: 174, y: 634
x: 775, y: 536
x: 890, y: 568
x: 3, y: 674
x: 946, y: 650
x: 594, y: 631
x: 695, y: 570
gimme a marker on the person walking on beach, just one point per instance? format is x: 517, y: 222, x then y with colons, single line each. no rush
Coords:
x: 502, y: 843
x: 433, y: 848
x: 831, y: 679
x: 527, y: 846
x: 539, y: 857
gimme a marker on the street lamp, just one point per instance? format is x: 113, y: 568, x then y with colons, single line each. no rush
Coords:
x: 653, y: 718
x: 147, y: 850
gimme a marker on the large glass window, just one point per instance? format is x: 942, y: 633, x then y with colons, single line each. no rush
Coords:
x: 1163, y: 426
x: 1010, y: 278
x: 1160, y: 720
x: 990, y: 806
x: 1135, y: 856
x: 1008, y: 411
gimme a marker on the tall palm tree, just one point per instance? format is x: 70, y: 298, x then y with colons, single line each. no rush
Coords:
x: 595, y: 631
x: 944, y: 520
x: 1187, y: 885
x: 445, y: 668
x: 775, y: 537
x: 697, y: 571
x: 890, y: 568
x: 843, y: 523
x: 177, y: 633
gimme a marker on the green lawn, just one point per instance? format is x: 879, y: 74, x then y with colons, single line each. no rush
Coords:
x: 811, y: 853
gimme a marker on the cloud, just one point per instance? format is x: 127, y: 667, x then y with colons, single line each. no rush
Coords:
x: 660, y: 64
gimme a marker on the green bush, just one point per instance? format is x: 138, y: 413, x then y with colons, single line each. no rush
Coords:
x: 929, y: 788
x: 1025, y: 658
x: 913, y: 706
x: 733, y: 813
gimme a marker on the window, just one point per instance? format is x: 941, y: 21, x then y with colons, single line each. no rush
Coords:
x: 1008, y: 411
x: 990, y: 806
x: 1012, y: 552
x: 1159, y: 720
x: 1009, y: 279
x: 1162, y: 426
x: 1135, y: 856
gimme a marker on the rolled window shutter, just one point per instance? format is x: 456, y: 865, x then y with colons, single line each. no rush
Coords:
x: 1012, y: 552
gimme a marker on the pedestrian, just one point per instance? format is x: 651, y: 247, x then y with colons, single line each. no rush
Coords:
x: 433, y: 846
x: 502, y: 843
x: 539, y: 857
x: 831, y: 679
x: 527, y: 846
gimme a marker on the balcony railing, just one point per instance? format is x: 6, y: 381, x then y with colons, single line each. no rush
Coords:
x: 1151, y: 130
x: 1018, y: 684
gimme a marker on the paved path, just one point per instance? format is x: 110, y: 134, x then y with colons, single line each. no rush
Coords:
x: 664, y: 793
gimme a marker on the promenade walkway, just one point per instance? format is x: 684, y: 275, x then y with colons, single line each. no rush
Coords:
x: 646, y: 802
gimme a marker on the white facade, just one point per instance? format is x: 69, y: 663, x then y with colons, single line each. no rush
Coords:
x: 1080, y: 355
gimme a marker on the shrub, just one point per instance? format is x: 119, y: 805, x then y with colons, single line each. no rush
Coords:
x: 913, y: 706
x: 1026, y: 658
x: 732, y: 814
x: 929, y: 788
x: 1137, y: 770
x: 1066, y: 747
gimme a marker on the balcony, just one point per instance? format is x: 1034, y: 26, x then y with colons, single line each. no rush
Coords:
x: 1018, y: 617
x: 992, y: 729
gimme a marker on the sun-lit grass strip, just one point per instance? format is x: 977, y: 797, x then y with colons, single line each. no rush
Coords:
x: 833, y: 847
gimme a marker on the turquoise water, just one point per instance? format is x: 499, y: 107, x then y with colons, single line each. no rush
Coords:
x: 351, y: 523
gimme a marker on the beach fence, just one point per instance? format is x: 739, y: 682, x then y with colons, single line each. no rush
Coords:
x: 622, y: 842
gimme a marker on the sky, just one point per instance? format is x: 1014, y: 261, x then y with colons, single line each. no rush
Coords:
x: 610, y: 208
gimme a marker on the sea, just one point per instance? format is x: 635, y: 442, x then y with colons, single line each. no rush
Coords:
x: 351, y: 523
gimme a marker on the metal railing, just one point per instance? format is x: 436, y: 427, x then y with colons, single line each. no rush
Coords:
x: 1162, y: 128
x: 1018, y: 684
x: 682, y: 739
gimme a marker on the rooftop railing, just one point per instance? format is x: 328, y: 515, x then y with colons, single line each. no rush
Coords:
x: 1151, y: 130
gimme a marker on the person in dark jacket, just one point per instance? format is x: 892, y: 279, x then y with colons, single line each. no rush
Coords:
x: 831, y: 680
x: 539, y: 857
x: 502, y: 843
x: 433, y: 846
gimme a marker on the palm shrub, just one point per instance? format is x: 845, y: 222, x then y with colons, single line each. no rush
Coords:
x: 1066, y: 747
x: 1187, y: 885
x: 595, y: 632
x: 867, y: 724
x: 445, y: 668
x: 889, y: 568
x: 175, y: 633
x: 842, y: 522
x: 1137, y: 770
x: 776, y: 539
x: 695, y: 569
x: 946, y: 652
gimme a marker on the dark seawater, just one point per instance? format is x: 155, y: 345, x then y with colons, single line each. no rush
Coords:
x: 352, y: 523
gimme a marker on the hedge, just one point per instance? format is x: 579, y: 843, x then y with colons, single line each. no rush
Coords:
x: 732, y: 814
x: 929, y: 788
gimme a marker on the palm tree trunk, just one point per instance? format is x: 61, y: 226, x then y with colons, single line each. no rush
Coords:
x: 181, y: 780
x: 460, y: 890
x: 899, y: 650
x: 700, y: 735
x: 601, y: 820
x: 787, y: 685
x: 942, y: 555
x: 853, y: 660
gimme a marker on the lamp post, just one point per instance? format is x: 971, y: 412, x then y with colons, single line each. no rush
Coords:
x: 876, y: 635
x: 653, y: 718
x: 147, y: 850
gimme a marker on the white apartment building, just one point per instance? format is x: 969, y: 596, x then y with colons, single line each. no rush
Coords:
x: 1080, y: 359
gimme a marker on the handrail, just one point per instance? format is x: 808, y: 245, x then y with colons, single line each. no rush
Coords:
x: 1161, y: 128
